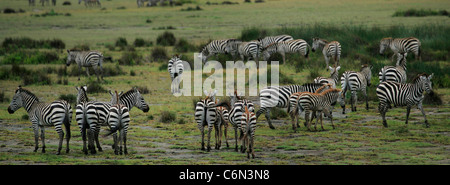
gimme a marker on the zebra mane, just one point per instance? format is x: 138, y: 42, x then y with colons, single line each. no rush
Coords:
x: 416, y: 79
x: 27, y: 92
x: 130, y: 92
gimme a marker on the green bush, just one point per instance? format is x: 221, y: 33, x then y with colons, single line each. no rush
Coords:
x: 182, y: 46
x: 159, y: 54
x: 121, y: 42
x: 166, y: 39
x: 70, y: 98
x: 167, y: 117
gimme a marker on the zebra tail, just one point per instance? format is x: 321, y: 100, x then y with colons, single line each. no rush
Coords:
x: 335, y: 52
x: 100, y: 62
x: 383, y: 75
x: 110, y: 131
x: 68, y: 119
x: 307, y: 50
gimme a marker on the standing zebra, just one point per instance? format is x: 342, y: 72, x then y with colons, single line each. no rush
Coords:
x: 283, y: 47
x: 266, y: 41
x: 278, y: 96
x: 43, y: 1
x: 222, y: 115
x: 401, y: 45
x: 408, y: 95
x: 356, y: 81
x: 86, y: 59
x: 333, y: 79
x: 31, y: 3
x: 250, y: 50
x: 43, y: 114
x: 130, y: 99
x: 90, y: 2
x: 330, y: 49
x: 118, y: 120
x: 206, y: 116
x: 318, y: 102
x: 293, y: 108
x: 395, y: 73
x: 175, y: 68
x: 248, y: 128
x: 87, y: 119
x: 216, y: 47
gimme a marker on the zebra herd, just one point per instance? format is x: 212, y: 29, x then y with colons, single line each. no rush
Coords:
x: 90, y: 116
x: 86, y: 2
x: 312, y: 98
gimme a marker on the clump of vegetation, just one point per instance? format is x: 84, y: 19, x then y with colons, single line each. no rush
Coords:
x: 420, y: 13
x: 3, y: 98
x: 197, y: 8
x: 167, y: 117
x: 140, y: 42
x: 81, y: 47
x: 10, y: 10
x: 37, y: 77
x: 70, y: 98
x: 121, y: 42
x: 432, y: 99
x: 159, y: 53
x: 276, y: 113
x: 130, y: 57
x: 10, y: 43
x: 253, y: 33
x: 95, y: 87
x: 166, y: 39
x: 31, y: 57
x: 182, y: 45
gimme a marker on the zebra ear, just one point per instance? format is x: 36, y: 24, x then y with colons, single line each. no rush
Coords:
x: 331, y: 68
x: 68, y: 51
x: 338, y: 67
x: 206, y: 92
x: 85, y: 87
x: 431, y: 76
x: 121, y: 92
x: 110, y: 92
x: 76, y: 87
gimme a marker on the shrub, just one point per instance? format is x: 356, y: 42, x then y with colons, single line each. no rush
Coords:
x: 182, y: 45
x: 140, y: 42
x: 130, y: 57
x: 121, y: 42
x: 159, y: 54
x: 419, y: 13
x: 166, y: 39
x: 167, y: 117
x: 26, y: 42
x: 37, y: 77
x: 3, y: 98
x: 252, y: 34
x: 70, y: 98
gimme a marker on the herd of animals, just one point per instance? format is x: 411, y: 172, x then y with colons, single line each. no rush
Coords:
x: 315, y: 98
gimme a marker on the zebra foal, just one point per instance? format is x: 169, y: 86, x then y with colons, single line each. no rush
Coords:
x: 118, y: 120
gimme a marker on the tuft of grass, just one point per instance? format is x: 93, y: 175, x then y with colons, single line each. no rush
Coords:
x: 420, y: 13
x: 166, y: 39
x: 167, y: 117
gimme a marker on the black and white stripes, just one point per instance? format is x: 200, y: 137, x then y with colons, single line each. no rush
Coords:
x: 43, y: 114
x: 292, y: 46
x: 408, y: 95
x: 401, y: 45
x: 330, y: 49
x: 118, y: 120
x: 356, y: 81
x: 86, y: 59
x: 395, y: 73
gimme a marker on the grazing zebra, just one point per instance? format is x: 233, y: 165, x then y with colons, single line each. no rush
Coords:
x: 266, y: 41
x: 130, y: 99
x: 278, y: 96
x: 206, y: 116
x: 250, y: 50
x: 175, y: 68
x: 356, y: 81
x: 395, y: 73
x: 248, y: 128
x: 408, y: 95
x: 43, y: 114
x: 87, y: 119
x: 330, y: 49
x: 401, y: 45
x: 222, y: 115
x: 293, y: 108
x: 216, y: 47
x: 333, y: 79
x: 319, y: 102
x: 291, y: 46
x: 118, y: 120
x: 86, y: 59
x: 31, y: 2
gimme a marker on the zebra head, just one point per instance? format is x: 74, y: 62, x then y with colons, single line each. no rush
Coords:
x: 211, y: 95
x: 425, y: 81
x: 366, y: 70
x: 334, y: 70
x: 139, y: 101
x: 384, y: 43
x: 315, y: 44
x: 204, y: 54
x: 21, y: 98
x: 81, y: 95
x: 70, y: 57
x: 401, y: 58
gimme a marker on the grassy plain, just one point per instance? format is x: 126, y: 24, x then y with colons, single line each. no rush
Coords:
x: 358, y: 139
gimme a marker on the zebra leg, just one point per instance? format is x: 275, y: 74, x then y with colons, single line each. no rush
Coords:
x: 36, y: 136
x: 124, y: 138
x: 354, y: 100
x: 79, y: 72
x: 67, y: 121
x: 217, y: 136
x: 97, y: 142
x: 330, y: 115
x: 203, y: 137
x: 43, y: 138
x: 87, y: 72
x: 116, y: 148
x: 423, y: 113
x: 208, y: 147
x: 284, y: 57
x: 327, y: 60
x: 308, y: 124
x: 83, y: 136
x: 225, y: 134
x: 317, y: 119
x: 382, y: 108
x: 268, y: 118
x: 235, y: 138
x: 96, y: 72
x: 408, y: 110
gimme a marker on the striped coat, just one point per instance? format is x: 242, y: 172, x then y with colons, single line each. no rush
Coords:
x: 401, y: 45
x: 41, y: 114
x: 330, y: 50
x: 395, y: 73
x: 118, y: 120
x: 86, y: 59
x: 87, y: 119
x: 292, y: 46
x: 399, y: 94
x: 356, y: 81
x: 318, y: 102
x: 205, y: 115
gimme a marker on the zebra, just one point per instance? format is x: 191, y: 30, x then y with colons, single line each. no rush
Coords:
x: 31, y: 2
x: 43, y: 114
x: 118, y: 120
x: 216, y: 47
x: 401, y: 45
x: 333, y: 79
x: 356, y: 81
x: 130, y: 99
x: 395, y: 73
x: 175, y: 68
x: 330, y: 49
x: 86, y: 59
x: 249, y: 49
x: 293, y: 110
x: 408, y: 94
x: 283, y: 47
x: 248, y: 128
x: 43, y: 1
x: 223, y: 115
x: 90, y: 2
x: 278, y: 96
x: 87, y: 118
x: 319, y: 102
x: 206, y: 116
x: 266, y: 41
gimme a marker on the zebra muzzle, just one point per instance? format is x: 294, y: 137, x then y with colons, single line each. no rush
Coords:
x: 10, y: 110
